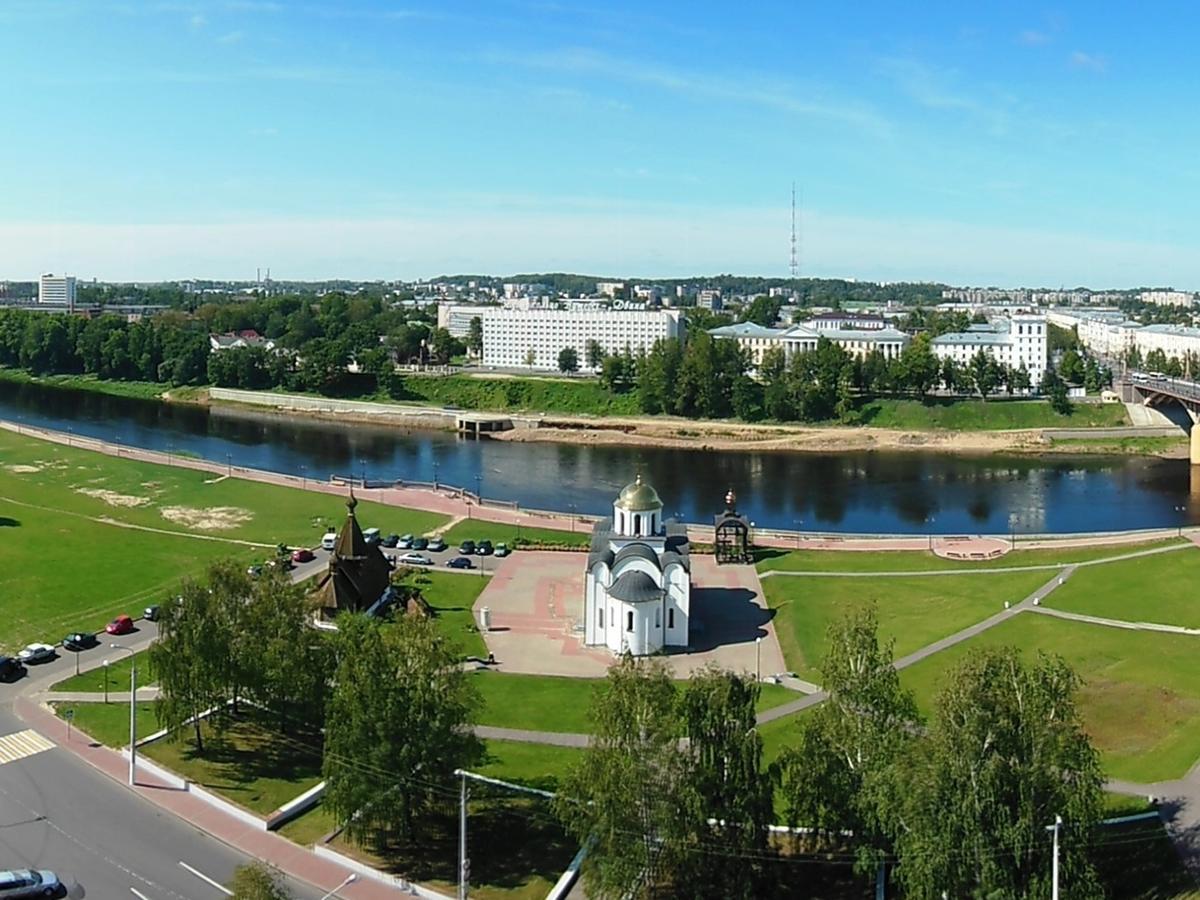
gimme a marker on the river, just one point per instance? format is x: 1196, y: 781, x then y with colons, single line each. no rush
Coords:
x: 856, y: 492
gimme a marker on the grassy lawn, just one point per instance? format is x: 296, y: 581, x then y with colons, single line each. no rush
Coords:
x: 117, y: 671
x: 1154, y: 589
x: 250, y: 764
x: 1139, y: 446
x: 782, y: 560
x: 1139, y: 862
x: 1140, y: 701
x: 452, y: 597
x: 108, y: 723
x: 560, y: 395
x: 915, y: 610
x: 66, y: 511
x: 499, y: 532
x: 978, y: 415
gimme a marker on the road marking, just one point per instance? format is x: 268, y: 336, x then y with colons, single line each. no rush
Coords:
x: 220, y: 887
x: 138, y: 894
x: 21, y: 744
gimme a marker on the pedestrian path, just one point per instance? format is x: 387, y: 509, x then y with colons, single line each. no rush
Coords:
x: 1116, y: 623
x: 22, y: 744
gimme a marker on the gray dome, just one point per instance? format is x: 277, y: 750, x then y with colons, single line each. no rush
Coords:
x: 635, y: 587
x: 636, y: 551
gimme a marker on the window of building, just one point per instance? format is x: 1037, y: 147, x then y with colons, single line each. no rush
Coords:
x: 671, y: 617
x: 657, y: 617
x: 600, y: 616
x: 629, y: 622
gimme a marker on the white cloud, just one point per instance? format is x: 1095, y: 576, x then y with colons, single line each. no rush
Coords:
x: 940, y: 89
x: 233, y: 37
x: 1093, y: 62
x: 197, y: 21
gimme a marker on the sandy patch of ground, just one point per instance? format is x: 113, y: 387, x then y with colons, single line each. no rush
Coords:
x: 23, y: 470
x: 112, y: 498
x: 212, y: 518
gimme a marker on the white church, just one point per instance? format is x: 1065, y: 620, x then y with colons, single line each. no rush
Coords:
x: 638, y: 586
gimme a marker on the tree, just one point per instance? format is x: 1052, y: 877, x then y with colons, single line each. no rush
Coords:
x: 254, y: 881
x: 838, y: 775
x: 475, y: 337
x: 594, y: 354
x: 623, y: 797
x: 919, y: 368
x: 568, y: 360
x: 762, y: 310
x: 397, y: 725
x: 1005, y: 755
x: 1071, y: 367
x: 725, y: 784
x: 984, y: 372
x: 530, y: 357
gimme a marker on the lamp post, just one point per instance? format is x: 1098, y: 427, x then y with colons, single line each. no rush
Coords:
x: 228, y: 465
x: 435, y: 468
x: 1181, y: 510
x: 106, y: 681
x: 68, y: 435
x: 798, y: 523
x: 169, y: 449
x: 930, y: 522
x: 132, y: 708
x: 362, y: 473
x: 479, y: 489
x: 758, y: 658
x: 349, y: 879
x: 303, y: 478
x: 571, y: 507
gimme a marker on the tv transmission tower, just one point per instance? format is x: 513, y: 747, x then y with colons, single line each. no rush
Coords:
x: 794, y: 262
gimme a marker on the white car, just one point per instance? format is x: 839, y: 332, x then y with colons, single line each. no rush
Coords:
x: 29, y: 883
x: 36, y: 653
x: 329, y: 540
x: 414, y: 559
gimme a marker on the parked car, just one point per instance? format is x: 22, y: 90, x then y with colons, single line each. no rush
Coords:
x: 436, y: 545
x: 329, y: 540
x: 414, y: 559
x: 420, y: 543
x: 405, y: 542
x: 36, y: 653
x: 502, y: 550
x: 10, y: 669
x: 391, y: 540
x: 371, y: 535
x: 302, y: 555
x: 80, y: 640
x: 29, y: 883
x: 460, y: 562
x: 466, y: 548
x: 254, y: 571
x: 484, y: 548
x: 119, y: 625
x: 150, y: 613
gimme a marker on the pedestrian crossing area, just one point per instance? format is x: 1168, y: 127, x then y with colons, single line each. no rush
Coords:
x: 21, y: 744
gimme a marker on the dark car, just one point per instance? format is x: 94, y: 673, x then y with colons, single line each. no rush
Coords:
x: 484, y: 548
x: 420, y: 543
x: 150, y: 613
x: 391, y: 540
x: 466, y: 548
x: 459, y: 562
x: 119, y: 625
x: 79, y: 640
x: 302, y: 555
x: 10, y: 669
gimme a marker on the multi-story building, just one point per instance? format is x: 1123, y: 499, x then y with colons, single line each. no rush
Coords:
x: 756, y: 340
x: 611, y: 289
x: 842, y: 321
x: 1168, y: 298
x: 534, y: 338
x: 1018, y: 341
x: 59, y: 290
x: 456, y: 317
x: 709, y: 298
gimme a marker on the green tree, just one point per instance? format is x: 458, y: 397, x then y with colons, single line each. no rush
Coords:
x: 1071, y: 368
x: 623, y: 797
x: 838, y: 776
x: 594, y: 354
x: 397, y: 725
x: 254, y: 881
x: 475, y: 337
x: 919, y: 368
x: 1006, y: 754
x: 985, y: 373
x: 762, y: 310
x: 568, y: 360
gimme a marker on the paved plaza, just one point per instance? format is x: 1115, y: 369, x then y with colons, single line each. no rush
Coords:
x: 536, y: 602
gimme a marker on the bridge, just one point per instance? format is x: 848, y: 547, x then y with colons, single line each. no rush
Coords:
x: 1155, y: 389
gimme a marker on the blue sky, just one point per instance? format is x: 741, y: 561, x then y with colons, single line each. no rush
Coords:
x: 1021, y: 144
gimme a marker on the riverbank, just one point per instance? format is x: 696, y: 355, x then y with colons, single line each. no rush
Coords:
x: 136, y: 390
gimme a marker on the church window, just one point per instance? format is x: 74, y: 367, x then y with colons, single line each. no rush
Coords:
x: 658, y: 618
x: 600, y: 616
x: 637, y: 523
x: 629, y: 622
x: 671, y: 617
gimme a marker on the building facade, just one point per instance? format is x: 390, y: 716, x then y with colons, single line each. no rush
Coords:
x: 1168, y: 298
x: 57, y: 289
x: 1018, y: 341
x: 756, y: 340
x: 533, y: 338
x: 637, y: 588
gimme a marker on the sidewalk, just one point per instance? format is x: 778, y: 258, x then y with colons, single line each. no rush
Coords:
x: 276, y: 851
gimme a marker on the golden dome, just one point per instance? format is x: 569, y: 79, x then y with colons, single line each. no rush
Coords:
x: 639, y: 497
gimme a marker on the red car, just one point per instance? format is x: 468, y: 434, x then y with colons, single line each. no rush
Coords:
x: 119, y: 625
x: 302, y: 555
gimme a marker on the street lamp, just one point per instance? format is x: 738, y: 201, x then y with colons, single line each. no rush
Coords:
x: 571, y: 507
x: 106, y: 681
x: 435, y: 468
x: 229, y: 465
x: 930, y: 522
x: 479, y: 489
x: 349, y: 879
x: 758, y: 658
x: 1181, y: 510
x: 132, y: 707
x: 797, y: 523
x: 303, y: 478
x: 362, y: 471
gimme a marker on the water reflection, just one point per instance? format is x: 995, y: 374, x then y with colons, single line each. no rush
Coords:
x: 910, y: 493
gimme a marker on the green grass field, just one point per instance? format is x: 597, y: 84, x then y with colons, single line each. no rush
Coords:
x: 1141, y: 699
x: 452, y: 598
x: 250, y: 764
x: 548, y: 394
x: 1158, y: 589
x: 108, y: 723
x: 1138, y: 446
x: 914, y: 610
x: 117, y: 672
x: 976, y: 415
x: 88, y: 536
x: 499, y: 532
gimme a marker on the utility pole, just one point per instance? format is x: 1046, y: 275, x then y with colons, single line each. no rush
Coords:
x: 464, y: 864
x: 1057, y: 826
x: 794, y: 263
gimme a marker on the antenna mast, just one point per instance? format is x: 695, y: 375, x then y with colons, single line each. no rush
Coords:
x: 793, y: 263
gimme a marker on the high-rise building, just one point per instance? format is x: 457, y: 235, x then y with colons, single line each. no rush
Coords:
x: 59, y: 290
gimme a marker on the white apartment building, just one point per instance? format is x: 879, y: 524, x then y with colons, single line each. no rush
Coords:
x: 59, y: 290
x: 710, y: 298
x: 1104, y: 333
x: 1020, y: 340
x: 610, y: 289
x: 456, y: 317
x: 533, y: 338
x: 757, y: 340
x: 839, y: 321
x: 1168, y: 298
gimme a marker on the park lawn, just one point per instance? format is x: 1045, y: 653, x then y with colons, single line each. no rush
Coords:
x: 576, y: 395
x: 117, y: 671
x: 1141, y: 697
x: 108, y: 723
x: 914, y: 610
x: 781, y: 560
x: 503, y: 533
x: 534, y: 765
x: 250, y: 764
x: 1159, y: 589
x: 978, y: 415
x: 1139, y: 861
x: 452, y: 598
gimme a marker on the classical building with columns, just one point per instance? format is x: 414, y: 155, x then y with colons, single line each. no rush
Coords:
x: 637, y: 589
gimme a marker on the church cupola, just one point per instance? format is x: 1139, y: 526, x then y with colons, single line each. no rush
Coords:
x: 637, y: 511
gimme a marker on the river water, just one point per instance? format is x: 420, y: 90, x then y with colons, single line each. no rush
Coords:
x: 873, y: 492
